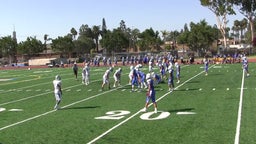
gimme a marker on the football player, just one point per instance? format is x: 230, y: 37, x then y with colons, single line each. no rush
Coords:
x: 134, y: 79
x: 206, y: 65
x: 177, y: 71
x: 86, y: 74
x: 150, y: 94
x: 75, y: 69
x: 106, y: 78
x: 131, y: 74
x: 57, y: 91
x: 170, y: 79
x: 117, y: 77
x: 142, y: 77
x: 245, y: 66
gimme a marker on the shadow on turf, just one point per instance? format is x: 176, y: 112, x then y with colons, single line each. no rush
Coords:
x: 181, y: 110
x: 83, y: 107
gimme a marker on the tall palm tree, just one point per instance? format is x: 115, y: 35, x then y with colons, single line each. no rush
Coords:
x: 243, y: 25
x: 104, y: 27
x: 45, y: 40
x: 96, y: 34
x: 74, y: 33
x: 164, y: 34
x: 237, y: 28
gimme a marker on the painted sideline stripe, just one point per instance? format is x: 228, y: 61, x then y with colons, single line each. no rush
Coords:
x: 239, y: 115
x: 108, y: 131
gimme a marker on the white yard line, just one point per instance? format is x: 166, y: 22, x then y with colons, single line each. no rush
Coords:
x: 26, y: 98
x: 116, y: 126
x: 46, y: 113
x: 34, y: 85
x: 1, y: 104
x: 49, y: 112
x: 239, y: 115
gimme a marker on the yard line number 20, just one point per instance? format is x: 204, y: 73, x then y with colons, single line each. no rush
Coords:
x: 119, y: 114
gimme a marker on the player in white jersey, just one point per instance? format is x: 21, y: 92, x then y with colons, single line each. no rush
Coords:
x: 150, y: 66
x: 245, y: 66
x: 57, y: 91
x: 206, y: 65
x: 130, y: 75
x: 117, y: 77
x: 106, y: 78
x: 86, y: 74
x: 177, y: 71
x: 138, y: 66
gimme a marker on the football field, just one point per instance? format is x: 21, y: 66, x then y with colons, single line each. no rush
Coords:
x: 216, y: 109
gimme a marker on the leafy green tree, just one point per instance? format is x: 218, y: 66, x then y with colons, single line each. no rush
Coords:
x: 63, y: 45
x: 74, y: 33
x: 133, y: 39
x: 183, y: 38
x: 221, y: 9
x: 164, y: 34
x: 31, y: 47
x: 239, y: 28
x: 115, y: 41
x: 122, y: 26
x: 85, y: 30
x: 84, y: 45
x: 92, y: 33
x: 149, y: 40
x: 248, y: 9
x: 8, y: 48
x: 235, y: 28
x: 200, y: 37
x: 95, y: 35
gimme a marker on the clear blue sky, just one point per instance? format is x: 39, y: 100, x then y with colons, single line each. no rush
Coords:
x: 57, y: 17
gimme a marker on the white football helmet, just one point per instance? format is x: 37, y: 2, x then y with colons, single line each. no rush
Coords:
x: 176, y: 64
x: 57, y: 77
x: 131, y: 67
x: 111, y: 69
x: 148, y: 76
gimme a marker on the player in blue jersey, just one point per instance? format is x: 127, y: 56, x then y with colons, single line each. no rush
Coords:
x: 156, y: 78
x: 150, y: 94
x: 142, y: 77
x: 134, y: 79
x: 170, y: 79
x: 162, y: 71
